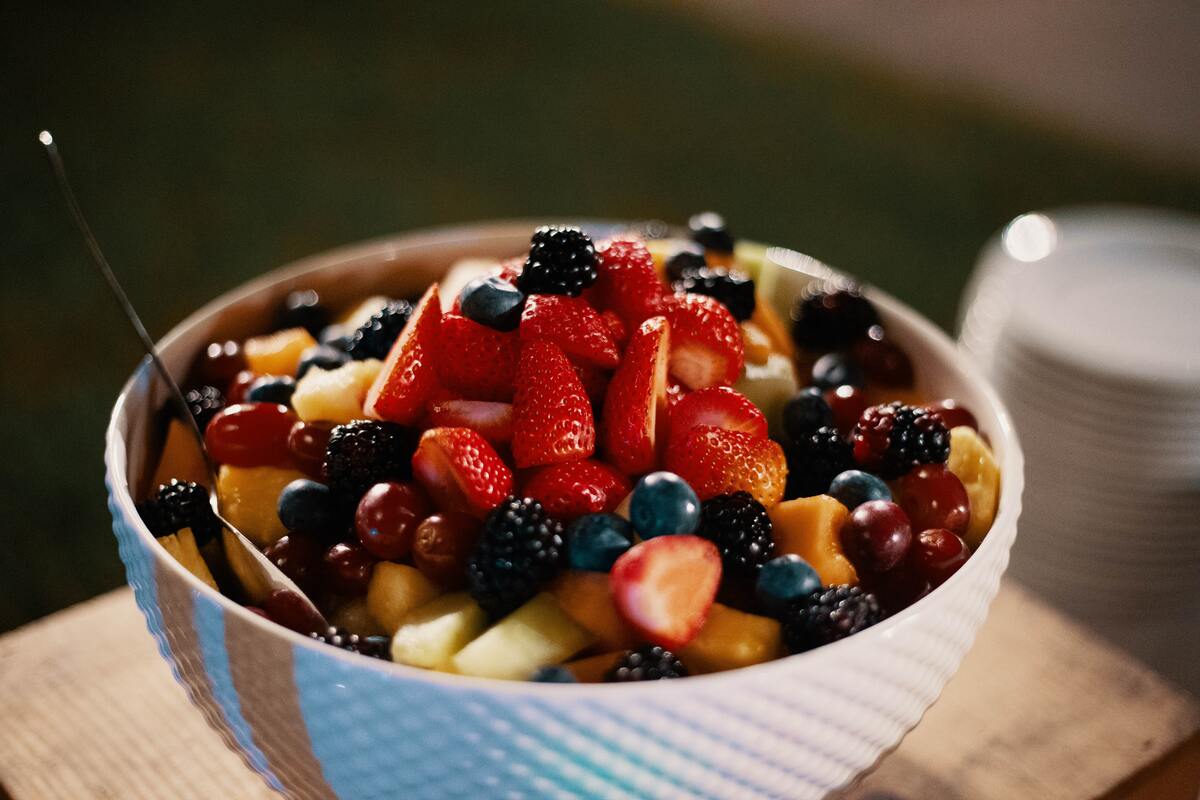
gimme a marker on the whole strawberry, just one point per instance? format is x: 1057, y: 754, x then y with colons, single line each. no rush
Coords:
x: 552, y: 416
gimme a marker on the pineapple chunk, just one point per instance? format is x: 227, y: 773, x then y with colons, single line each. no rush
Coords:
x: 430, y: 636
x: 249, y: 497
x: 811, y: 527
x: 536, y: 634
x: 354, y: 616
x: 181, y: 457
x: 732, y: 639
x: 972, y: 462
x: 593, y: 668
x: 277, y: 353
x: 335, y: 395
x: 587, y: 599
x: 362, y: 312
x: 769, y: 386
x: 460, y: 274
x: 245, y: 568
x: 756, y: 344
x: 182, y: 547
x: 395, y: 590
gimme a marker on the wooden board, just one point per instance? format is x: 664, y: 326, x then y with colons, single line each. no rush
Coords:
x: 1040, y: 709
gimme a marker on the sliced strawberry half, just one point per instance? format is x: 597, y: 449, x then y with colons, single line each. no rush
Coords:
x: 461, y: 471
x: 628, y: 284
x: 409, y: 378
x: 595, y: 382
x: 493, y: 421
x: 706, y: 342
x: 572, y: 324
x: 664, y: 587
x: 616, y: 327
x: 552, y: 416
x: 716, y: 461
x: 576, y: 488
x: 719, y: 406
x: 635, y: 406
x: 477, y: 361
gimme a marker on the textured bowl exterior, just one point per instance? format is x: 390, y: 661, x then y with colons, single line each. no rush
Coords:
x: 316, y: 722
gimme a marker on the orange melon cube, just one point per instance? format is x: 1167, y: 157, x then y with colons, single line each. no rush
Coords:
x: 811, y: 528
x: 587, y: 599
x: 277, y: 353
x: 593, y: 668
x: 732, y: 639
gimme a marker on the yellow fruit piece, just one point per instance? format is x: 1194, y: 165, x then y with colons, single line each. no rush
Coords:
x: 622, y: 509
x: 180, y: 458
x: 363, y: 312
x: 587, y: 599
x: 751, y: 258
x: 593, y: 668
x: 431, y: 635
x: 245, y: 568
x: 811, y: 528
x: 769, y: 386
x: 335, y: 395
x: 536, y: 634
x: 764, y: 316
x: 757, y: 345
x: 395, y: 590
x: 973, y: 463
x: 732, y: 639
x: 249, y: 497
x: 182, y: 547
x: 355, y: 617
x: 277, y: 353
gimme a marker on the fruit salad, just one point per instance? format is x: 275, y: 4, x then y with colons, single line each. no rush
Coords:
x: 598, y: 460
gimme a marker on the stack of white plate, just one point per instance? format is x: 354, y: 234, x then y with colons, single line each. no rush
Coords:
x: 1088, y: 321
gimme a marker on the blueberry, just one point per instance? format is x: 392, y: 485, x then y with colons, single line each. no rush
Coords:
x: 306, y: 506
x: 784, y: 579
x: 853, y: 487
x: 272, y: 389
x: 834, y: 369
x: 595, y: 541
x: 303, y: 309
x: 492, y: 301
x: 805, y: 413
x: 553, y: 674
x: 321, y: 356
x: 662, y: 505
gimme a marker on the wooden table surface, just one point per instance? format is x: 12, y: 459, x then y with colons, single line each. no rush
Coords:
x: 1040, y: 709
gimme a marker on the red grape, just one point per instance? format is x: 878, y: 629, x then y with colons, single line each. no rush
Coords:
x: 934, y: 497
x: 307, y: 442
x: 298, y: 555
x: 220, y: 363
x: 442, y: 546
x: 847, y: 403
x: 898, y: 588
x: 883, y: 361
x: 348, y: 568
x: 937, y: 554
x: 288, y: 609
x: 876, y: 536
x: 953, y: 415
x: 387, y: 518
x: 251, y: 435
x: 239, y: 386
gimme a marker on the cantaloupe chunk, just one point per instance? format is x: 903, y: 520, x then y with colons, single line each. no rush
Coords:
x: 755, y: 344
x: 180, y: 458
x: 587, y: 599
x: 182, y: 547
x: 764, y: 316
x: 249, y: 499
x: 811, y: 528
x: 335, y: 395
x: 395, y: 590
x: 355, y: 617
x: 731, y: 639
x: 593, y: 668
x: 536, y: 634
x: 277, y: 353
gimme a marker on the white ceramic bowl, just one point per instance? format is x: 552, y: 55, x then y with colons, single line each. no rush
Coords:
x: 317, y: 722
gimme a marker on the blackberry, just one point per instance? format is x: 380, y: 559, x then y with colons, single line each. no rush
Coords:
x: 739, y: 526
x: 734, y: 290
x: 646, y: 663
x: 205, y: 402
x: 891, y: 439
x: 814, y: 460
x: 709, y: 230
x: 827, y: 615
x: 373, y: 646
x: 302, y: 309
x: 562, y: 260
x: 181, y: 504
x: 375, y: 337
x: 521, y: 547
x: 831, y: 315
x: 363, y: 453
x: 689, y: 259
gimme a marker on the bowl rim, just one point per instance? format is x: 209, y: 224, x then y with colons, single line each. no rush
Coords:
x: 1012, y: 469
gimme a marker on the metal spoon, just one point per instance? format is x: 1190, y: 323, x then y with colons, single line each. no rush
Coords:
x: 258, y: 576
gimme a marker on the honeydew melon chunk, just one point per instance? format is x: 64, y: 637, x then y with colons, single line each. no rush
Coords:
x: 461, y: 273
x: 395, y: 590
x: 431, y: 635
x: 182, y: 547
x: 335, y: 395
x: 536, y: 634
x: 769, y: 386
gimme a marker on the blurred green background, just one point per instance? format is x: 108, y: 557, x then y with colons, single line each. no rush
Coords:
x: 210, y: 144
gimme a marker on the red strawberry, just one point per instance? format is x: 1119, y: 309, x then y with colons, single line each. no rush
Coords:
x: 572, y: 324
x: 628, y: 283
x: 616, y: 327
x: 576, y: 488
x: 494, y: 421
x: 461, y: 471
x: 551, y: 412
x: 594, y: 380
x: 663, y: 587
x: 635, y: 406
x: 477, y: 361
x: 720, y: 407
x: 510, y: 269
x: 716, y: 461
x: 706, y: 342
x: 408, y: 378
